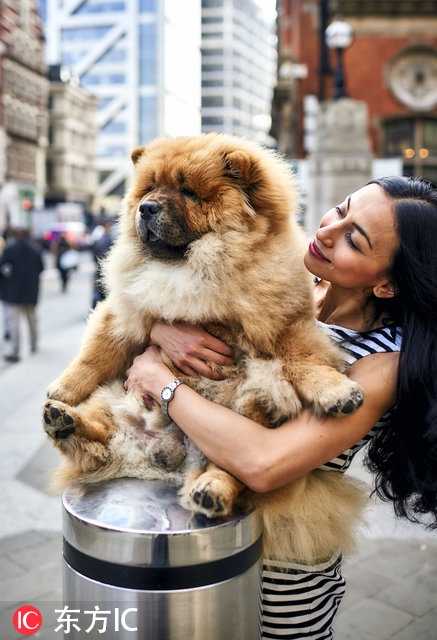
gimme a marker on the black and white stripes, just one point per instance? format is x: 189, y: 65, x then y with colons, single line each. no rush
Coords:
x: 300, y: 601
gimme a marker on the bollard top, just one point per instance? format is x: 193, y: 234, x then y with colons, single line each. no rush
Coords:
x: 141, y: 522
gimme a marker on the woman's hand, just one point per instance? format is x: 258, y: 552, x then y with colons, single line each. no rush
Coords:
x: 191, y: 348
x: 148, y: 374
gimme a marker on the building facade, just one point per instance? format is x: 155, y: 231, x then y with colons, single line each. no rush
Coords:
x: 164, y: 68
x: 23, y: 111
x: 143, y: 68
x: 238, y: 68
x: 391, y: 66
x: 71, y: 152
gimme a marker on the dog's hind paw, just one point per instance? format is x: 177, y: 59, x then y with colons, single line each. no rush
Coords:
x: 213, y: 493
x: 209, y: 502
x: 59, y: 424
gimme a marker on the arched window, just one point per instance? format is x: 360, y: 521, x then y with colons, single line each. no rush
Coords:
x: 414, y: 139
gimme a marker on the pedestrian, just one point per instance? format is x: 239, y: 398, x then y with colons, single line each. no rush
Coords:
x: 21, y: 264
x: 6, y: 334
x: 99, y: 249
x: 375, y: 265
x: 66, y: 260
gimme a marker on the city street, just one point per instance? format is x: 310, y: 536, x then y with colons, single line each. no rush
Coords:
x: 392, y: 582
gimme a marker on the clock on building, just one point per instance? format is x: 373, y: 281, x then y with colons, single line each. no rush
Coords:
x: 413, y: 79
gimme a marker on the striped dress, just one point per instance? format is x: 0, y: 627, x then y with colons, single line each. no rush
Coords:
x: 300, y: 601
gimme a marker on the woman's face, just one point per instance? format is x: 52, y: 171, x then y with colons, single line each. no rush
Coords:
x: 354, y: 245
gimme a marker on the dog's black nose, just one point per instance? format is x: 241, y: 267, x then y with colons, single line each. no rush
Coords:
x: 148, y: 209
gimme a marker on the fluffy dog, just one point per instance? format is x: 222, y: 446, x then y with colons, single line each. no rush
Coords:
x: 208, y: 235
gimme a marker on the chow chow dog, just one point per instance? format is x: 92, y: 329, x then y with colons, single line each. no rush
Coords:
x: 208, y: 235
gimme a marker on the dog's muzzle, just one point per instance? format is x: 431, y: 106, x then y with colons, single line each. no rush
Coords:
x: 152, y: 230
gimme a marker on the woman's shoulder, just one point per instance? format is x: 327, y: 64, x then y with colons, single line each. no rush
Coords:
x: 384, y: 339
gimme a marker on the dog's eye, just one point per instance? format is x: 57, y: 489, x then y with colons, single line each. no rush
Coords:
x: 189, y: 193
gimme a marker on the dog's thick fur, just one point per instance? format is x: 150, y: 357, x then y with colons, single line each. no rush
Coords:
x: 208, y: 235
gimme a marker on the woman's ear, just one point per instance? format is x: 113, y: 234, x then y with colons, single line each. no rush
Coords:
x: 385, y: 290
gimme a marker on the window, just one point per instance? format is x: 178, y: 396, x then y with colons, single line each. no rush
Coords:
x: 147, y: 54
x: 83, y: 33
x: 147, y: 5
x: 100, y: 6
x: 212, y: 101
x: 208, y: 4
x: 147, y: 119
x: 415, y: 141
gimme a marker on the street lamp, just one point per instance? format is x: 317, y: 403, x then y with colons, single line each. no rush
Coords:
x: 339, y: 36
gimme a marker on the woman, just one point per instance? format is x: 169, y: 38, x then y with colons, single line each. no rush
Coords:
x: 376, y: 268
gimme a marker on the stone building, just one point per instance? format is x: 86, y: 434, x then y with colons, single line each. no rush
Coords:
x: 72, y: 174
x: 23, y: 111
x: 391, y: 67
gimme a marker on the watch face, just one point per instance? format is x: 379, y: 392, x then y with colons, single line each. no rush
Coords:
x: 166, y: 393
x: 413, y: 79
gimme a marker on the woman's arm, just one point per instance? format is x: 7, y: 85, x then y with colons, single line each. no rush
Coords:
x: 265, y: 459
x: 191, y: 348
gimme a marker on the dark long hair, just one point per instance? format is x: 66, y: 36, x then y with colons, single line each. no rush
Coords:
x: 404, y: 455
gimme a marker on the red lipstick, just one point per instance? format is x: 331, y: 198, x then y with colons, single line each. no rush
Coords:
x: 315, y: 251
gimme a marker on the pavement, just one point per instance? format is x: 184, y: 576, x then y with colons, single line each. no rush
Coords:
x: 391, y: 581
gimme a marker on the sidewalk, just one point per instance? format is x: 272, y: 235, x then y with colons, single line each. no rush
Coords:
x: 392, y: 581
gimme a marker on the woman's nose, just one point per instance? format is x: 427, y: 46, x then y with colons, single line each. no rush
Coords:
x: 328, y: 229
x: 325, y: 234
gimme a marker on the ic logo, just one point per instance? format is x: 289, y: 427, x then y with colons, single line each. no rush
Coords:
x: 27, y: 620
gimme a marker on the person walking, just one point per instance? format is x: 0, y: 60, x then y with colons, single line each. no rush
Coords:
x: 21, y: 265
x: 99, y: 249
x: 67, y: 260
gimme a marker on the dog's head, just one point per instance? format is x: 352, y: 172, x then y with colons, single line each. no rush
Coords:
x: 187, y: 187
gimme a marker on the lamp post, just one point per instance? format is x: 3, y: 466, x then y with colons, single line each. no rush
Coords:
x: 339, y: 36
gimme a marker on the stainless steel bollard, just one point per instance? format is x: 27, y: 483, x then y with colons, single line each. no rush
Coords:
x: 138, y: 566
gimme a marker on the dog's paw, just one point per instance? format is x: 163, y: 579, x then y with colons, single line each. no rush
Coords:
x: 209, y: 498
x: 213, y: 492
x: 349, y: 405
x: 340, y: 401
x: 59, y: 423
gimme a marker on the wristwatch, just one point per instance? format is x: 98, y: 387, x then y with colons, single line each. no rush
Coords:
x: 167, y: 394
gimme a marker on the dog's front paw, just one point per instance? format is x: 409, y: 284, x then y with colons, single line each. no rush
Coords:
x: 340, y: 400
x: 348, y: 405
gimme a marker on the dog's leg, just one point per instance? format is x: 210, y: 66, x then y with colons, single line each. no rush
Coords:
x: 104, y: 356
x: 313, y: 365
x: 80, y: 435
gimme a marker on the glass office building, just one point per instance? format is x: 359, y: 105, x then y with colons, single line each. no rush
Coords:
x: 165, y: 68
x: 141, y: 59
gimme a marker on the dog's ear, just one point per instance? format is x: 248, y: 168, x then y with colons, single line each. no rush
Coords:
x: 241, y: 166
x: 237, y: 164
x: 137, y: 153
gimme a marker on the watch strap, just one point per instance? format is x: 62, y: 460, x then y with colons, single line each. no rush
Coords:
x: 167, y: 394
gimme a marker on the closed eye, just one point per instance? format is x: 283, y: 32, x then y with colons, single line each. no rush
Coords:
x: 189, y: 193
x: 349, y: 239
x: 351, y: 242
